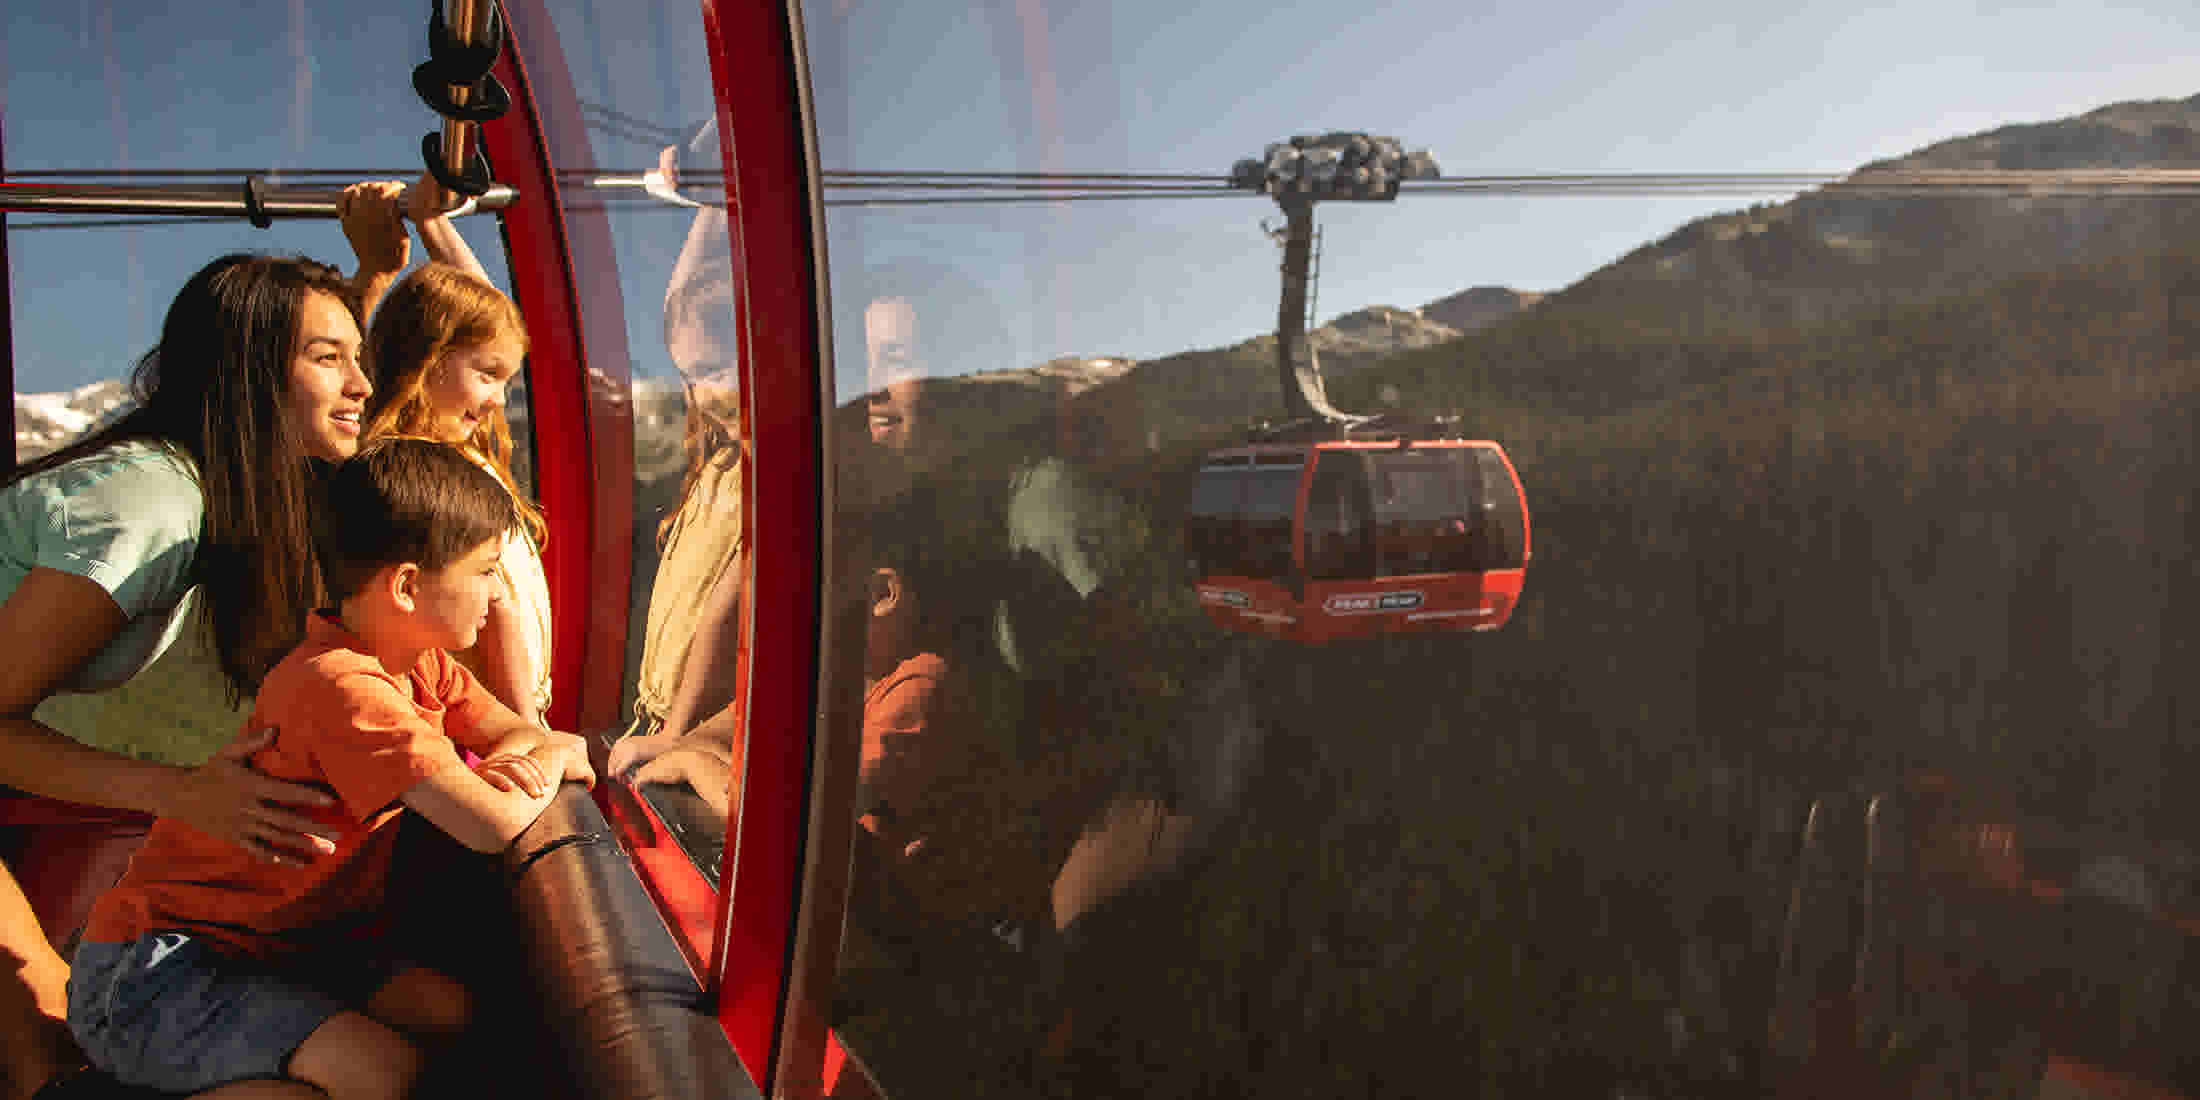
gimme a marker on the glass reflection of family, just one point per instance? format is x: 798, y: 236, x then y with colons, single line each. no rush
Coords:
x: 686, y: 725
x: 1028, y: 758
x: 1012, y: 781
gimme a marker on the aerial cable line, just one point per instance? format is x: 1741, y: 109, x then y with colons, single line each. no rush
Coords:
x: 1023, y: 185
x: 831, y: 174
x: 616, y: 180
x: 670, y: 135
x: 188, y: 195
x: 639, y: 203
x: 2173, y: 180
x: 965, y: 200
x: 1025, y: 181
x: 638, y: 206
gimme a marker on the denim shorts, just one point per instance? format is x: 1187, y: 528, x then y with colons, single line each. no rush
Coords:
x: 173, y: 1012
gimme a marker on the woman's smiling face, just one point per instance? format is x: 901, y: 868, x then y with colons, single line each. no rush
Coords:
x: 467, y: 387
x: 328, y: 389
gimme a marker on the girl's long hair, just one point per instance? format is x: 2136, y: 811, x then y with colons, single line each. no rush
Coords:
x: 215, y: 389
x: 430, y: 313
x: 705, y: 439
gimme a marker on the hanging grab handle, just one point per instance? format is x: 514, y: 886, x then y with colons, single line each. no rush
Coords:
x: 467, y: 54
x: 456, y: 82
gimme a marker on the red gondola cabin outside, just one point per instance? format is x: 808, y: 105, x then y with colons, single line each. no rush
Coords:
x: 1316, y: 542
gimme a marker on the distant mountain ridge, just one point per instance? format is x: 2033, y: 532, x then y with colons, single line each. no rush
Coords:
x: 1478, y: 306
x: 1707, y: 303
x: 2154, y: 133
x: 1770, y: 268
x: 1826, y: 253
x: 45, y: 421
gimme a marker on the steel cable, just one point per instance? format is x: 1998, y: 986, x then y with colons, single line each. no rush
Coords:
x: 624, y: 192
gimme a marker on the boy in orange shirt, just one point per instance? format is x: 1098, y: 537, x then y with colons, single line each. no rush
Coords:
x: 208, y: 968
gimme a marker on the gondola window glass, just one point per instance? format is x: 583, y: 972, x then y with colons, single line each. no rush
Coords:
x: 1502, y: 541
x: 1855, y: 414
x: 1426, y: 507
x: 626, y: 98
x: 1339, y: 538
x: 1264, y: 523
x: 1210, y: 522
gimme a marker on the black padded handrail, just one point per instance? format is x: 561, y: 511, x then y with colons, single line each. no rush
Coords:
x: 616, y: 989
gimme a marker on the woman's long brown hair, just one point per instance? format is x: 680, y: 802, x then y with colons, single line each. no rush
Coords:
x: 430, y: 313
x: 215, y: 388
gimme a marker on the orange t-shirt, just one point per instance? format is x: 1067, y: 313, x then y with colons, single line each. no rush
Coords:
x: 341, y: 722
x: 901, y: 751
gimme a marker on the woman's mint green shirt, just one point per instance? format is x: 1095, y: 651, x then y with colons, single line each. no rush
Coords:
x: 129, y: 519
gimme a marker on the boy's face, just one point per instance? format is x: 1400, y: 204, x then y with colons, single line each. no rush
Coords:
x: 452, y: 603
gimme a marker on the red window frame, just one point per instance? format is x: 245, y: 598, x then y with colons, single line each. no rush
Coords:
x: 779, y: 918
x: 578, y: 388
x: 768, y: 948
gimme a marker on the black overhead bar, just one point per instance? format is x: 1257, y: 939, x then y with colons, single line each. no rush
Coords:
x: 257, y: 200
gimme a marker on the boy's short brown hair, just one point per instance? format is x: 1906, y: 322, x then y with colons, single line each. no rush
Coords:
x: 404, y: 500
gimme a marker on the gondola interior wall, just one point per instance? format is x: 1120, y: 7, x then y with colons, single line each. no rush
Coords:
x: 1058, y: 415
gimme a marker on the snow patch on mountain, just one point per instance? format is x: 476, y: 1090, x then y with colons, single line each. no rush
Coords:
x: 46, y: 421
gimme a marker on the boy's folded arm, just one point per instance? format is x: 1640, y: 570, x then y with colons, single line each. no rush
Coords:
x: 474, y: 813
x: 517, y: 740
x: 498, y: 729
x: 480, y: 722
x: 508, y: 734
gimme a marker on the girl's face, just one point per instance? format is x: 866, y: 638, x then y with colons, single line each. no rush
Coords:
x: 328, y: 390
x: 467, y: 387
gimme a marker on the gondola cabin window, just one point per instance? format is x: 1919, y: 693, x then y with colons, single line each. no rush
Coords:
x: 184, y: 100
x: 1340, y: 542
x: 1445, y: 510
x: 1241, y: 513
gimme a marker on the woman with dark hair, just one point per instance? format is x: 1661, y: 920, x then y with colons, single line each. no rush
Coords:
x: 185, y: 521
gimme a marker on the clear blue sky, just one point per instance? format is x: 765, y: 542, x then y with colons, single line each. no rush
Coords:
x: 1148, y: 85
